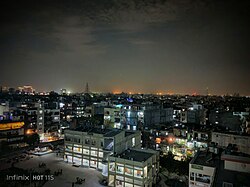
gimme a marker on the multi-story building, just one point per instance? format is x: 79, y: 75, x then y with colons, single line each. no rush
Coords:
x: 112, y: 117
x: 134, y: 117
x: 91, y: 147
x: 223, y: 139
x: 226, y: 169
x: 228, y: 119
x: 133, y: 168
x: 201, y: 171
x: 4, y: 107
x: 40, y: 120
x: 88, y: 112
x: 12, y: 132
x: 193, y: 116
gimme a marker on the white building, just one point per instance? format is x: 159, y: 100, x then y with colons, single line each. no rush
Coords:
x: 133, y: 168
x: 91, y: 147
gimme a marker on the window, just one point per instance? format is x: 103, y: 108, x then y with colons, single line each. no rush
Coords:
x: 76, y: 140
x: 93, y: 153
x: 101, y: 144
x: 77, y: 149
x: 86, y: 151
x: 192, y: 176
x: 101, y: 154
x: 112, y: 167
x: 128, y: 171
x: 87, y: 141
x: 202, y: 178
x: 120, y: 169
x: 93, y: 142
x: 138, y: 173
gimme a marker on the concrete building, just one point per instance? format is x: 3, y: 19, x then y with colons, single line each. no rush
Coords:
x: 135, y: 117
x: 223, y: 139
x: 228, y: 119
x: 40, y: 120
x: 193, y: 116
x: 211, y: 168
x: 12, y: 132
x: 4, y: 108
x: 201, y: 172
x: 133, y: 168
x: 91, y: 147
x: 112, y: 117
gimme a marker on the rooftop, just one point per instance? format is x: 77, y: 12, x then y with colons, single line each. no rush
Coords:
x: 135, y: 155
x: 98, y: 130
x: 230, y: 132
x: 204, y: 158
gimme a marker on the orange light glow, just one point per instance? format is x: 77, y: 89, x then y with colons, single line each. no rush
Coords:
x: 170, y: 139
x: 29, y: 131
x: 14, y: 125
x: 158, y: 140
x: 117, y: 92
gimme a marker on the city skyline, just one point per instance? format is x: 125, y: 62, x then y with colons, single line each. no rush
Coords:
x: 133, y: 46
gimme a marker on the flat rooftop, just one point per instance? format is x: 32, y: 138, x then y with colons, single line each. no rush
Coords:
x: 135, y: 155
x: 98, y: 130
x: 231, y: 133
x: 205, y: 159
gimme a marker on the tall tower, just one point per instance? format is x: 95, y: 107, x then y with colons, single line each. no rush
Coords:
x: 87, y: 88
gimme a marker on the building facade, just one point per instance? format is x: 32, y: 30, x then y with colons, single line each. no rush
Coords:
x: 92, y: 147
x: 133, y: 168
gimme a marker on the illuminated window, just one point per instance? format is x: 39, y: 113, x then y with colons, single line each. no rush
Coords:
x: 85, y: 151
x: 128, y: 171
x: 93, y: 153
x: 120, y: 169
x: 101, y: 154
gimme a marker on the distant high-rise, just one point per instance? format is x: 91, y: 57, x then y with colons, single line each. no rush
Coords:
x: 87, y: 88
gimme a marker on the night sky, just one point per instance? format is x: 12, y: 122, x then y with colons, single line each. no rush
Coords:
x: 168, y: 46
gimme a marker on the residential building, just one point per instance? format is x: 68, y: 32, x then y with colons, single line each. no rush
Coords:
x: 213, y: 168
x: 133, y: 168
x: 223, y: 139
x: 12, y: 132
x: 112, y: 117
